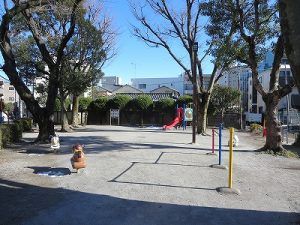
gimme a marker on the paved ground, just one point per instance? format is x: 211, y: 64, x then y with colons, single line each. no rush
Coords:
x: 146, y: 176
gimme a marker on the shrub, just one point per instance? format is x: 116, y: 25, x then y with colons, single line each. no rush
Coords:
x: 100, y: 104
x: 141, y: 103
x: 256, y: 128
x: 165, y: 105
x: 184, y: 100
x: 10, y: 133
x: 26, y: 123
x: 118, y: 102
x: 84, y: 103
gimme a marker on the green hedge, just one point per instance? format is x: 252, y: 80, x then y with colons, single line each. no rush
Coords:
x: 10, y: 133
x: 26, y: 124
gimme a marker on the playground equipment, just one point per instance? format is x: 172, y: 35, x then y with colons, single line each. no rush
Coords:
x: 219, y: 165
x: 78, y: 158
x: 230, y: 189
x: 183, y: 115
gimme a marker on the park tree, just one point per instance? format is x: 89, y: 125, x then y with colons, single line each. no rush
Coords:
x: 38, y: 20
x: 258, y: 32
x: 290, y: 26
x: 224, y: 99
x: 89, y: 49
x: 180, y: 24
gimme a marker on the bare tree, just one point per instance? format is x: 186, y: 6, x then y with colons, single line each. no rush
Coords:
x: 33, y: 13
x: 183, y: 27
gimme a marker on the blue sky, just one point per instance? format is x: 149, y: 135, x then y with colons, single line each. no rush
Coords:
x: 134, y: 58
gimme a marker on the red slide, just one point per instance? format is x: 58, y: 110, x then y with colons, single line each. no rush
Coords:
x: 177, y: 119
x: 172, y: 124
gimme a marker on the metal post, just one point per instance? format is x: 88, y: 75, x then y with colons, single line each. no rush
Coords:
x: 213, y: 140
x: 194, y: 75
x: 220, y: 144
x: 230, y: 157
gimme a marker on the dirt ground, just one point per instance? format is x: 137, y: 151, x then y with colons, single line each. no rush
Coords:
x: 146, y: 176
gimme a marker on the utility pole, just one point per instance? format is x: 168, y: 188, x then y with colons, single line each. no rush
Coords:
x: 194, y: 75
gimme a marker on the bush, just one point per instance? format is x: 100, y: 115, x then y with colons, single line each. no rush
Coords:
x: 118, y: 102
x: 10, y: 133
x: 100, y: 104
x: 184, y: 100
x: 26, y: 123
x: 165, y: 105
x: 140, y: 103
x: 256, y: 128
x: 84, y: 103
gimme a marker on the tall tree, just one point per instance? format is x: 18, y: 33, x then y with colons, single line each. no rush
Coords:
x: 180, y: 23
x: 290, y: 26
x: 41, y: 19
x: 89, y: 49
x: 258, y: 32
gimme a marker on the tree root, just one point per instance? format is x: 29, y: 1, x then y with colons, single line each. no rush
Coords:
x: 280, y: 151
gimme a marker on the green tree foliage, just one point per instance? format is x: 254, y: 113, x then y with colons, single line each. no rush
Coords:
x: 100, y: 104
x: 118, y: 102
x: 84, y: 103
x: 184, y: 100
x: 47, y: 26
x: 9, y: 107
x: 141, y: 103
x: 57, y: 106
x: 165, y: 105
x: 258, y: 32
x: 224, y: 99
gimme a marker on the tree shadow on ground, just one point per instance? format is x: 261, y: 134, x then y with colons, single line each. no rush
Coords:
x: 98, y: 144
x: 28, y: 204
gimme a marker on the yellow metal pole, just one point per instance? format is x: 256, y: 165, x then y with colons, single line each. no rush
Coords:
x: 230, y: 157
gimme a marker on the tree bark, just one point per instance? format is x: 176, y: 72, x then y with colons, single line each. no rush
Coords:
x: 290, y: 23
x: 65, y: 127
x: 46, y: 127
x: 203, y: 101
x: 75, y: 111
x: 273, y: 139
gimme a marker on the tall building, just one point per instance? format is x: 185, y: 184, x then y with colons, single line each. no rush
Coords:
x: 110, y: 82
x: 237, y: 77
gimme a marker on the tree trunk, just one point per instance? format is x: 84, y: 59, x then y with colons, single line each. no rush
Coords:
x: 46, y: 127
x: 202, y: 112
x: 142, y: 118
x: 75, y: 111
x: 273, y: 139
x: 290, y: 23
x: 64, y: 119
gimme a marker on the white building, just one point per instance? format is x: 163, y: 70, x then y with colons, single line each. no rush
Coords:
x: 148, y: 84
x: 255, y: 101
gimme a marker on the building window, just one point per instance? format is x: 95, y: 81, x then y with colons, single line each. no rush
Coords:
x: 11, y: 88
x: 11, y: 99
x: 142, y: 86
